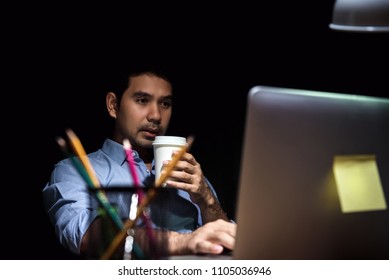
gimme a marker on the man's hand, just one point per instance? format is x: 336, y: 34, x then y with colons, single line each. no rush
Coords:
x: 211, y: 238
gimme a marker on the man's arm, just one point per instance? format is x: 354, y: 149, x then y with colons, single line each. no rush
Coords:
x: 211, y: 238
x: 98, y: 238
x: 210, y: 207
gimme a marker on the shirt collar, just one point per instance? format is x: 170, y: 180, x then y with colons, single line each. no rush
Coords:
x: 116, y: 151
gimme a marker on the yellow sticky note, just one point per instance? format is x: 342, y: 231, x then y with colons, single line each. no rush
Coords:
x: 358, y: 183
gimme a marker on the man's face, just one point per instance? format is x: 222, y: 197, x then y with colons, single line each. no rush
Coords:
x: 144, y: 110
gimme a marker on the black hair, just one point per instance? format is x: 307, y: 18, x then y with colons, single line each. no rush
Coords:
x: 118, y: 79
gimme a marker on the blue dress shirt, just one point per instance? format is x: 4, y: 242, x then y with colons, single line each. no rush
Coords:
x: 72, y: 207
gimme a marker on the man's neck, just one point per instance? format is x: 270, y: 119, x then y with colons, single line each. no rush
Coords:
x: 147, y: 155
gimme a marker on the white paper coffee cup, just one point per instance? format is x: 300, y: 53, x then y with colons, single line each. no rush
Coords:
x: 163, y: 150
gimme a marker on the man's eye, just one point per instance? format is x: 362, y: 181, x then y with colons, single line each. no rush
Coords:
x: 142, y: 100
x: 167, y: 103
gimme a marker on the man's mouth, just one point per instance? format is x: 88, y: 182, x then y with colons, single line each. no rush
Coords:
x: 151, y: 133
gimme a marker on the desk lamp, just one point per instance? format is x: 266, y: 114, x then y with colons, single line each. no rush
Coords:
x: 361, y: 16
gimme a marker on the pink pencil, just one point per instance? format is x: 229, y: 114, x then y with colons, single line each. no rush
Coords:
x: 131, y: 164
x: 139, y: 191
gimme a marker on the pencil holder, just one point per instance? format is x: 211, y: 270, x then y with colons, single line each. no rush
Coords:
x: 166, y: 211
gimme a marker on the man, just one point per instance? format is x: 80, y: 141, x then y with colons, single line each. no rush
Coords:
x: 141, y: 111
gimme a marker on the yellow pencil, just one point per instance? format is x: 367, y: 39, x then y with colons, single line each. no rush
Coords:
x: 100, y: 194
x: 80, y: 152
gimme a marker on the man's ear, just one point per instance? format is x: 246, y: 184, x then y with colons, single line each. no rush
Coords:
x: 112, y: 104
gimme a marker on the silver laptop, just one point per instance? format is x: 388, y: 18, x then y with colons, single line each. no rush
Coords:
x: 314, y: 178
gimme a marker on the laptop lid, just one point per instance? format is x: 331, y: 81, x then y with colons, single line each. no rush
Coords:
x: 314, y: 179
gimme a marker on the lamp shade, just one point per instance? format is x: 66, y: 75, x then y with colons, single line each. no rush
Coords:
x: 361, y: 15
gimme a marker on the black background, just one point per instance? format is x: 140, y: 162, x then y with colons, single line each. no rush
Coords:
x: 56, y: 57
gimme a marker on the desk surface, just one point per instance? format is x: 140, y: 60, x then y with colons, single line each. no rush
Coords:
x: 202, y: 257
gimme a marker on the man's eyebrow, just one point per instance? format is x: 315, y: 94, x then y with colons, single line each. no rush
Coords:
x: 141, y: 94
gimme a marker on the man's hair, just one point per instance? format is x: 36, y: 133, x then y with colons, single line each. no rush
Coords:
x: 118, y: 79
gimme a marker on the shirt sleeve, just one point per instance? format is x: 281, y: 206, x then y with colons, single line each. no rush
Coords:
x: 66, y: 201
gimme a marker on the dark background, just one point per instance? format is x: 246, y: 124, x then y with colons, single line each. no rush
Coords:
x: 56, y: 58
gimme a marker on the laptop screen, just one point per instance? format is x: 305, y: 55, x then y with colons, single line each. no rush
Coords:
x: 314, y: 178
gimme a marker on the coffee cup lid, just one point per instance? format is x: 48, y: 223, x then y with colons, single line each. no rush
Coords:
x: 175, y: 140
